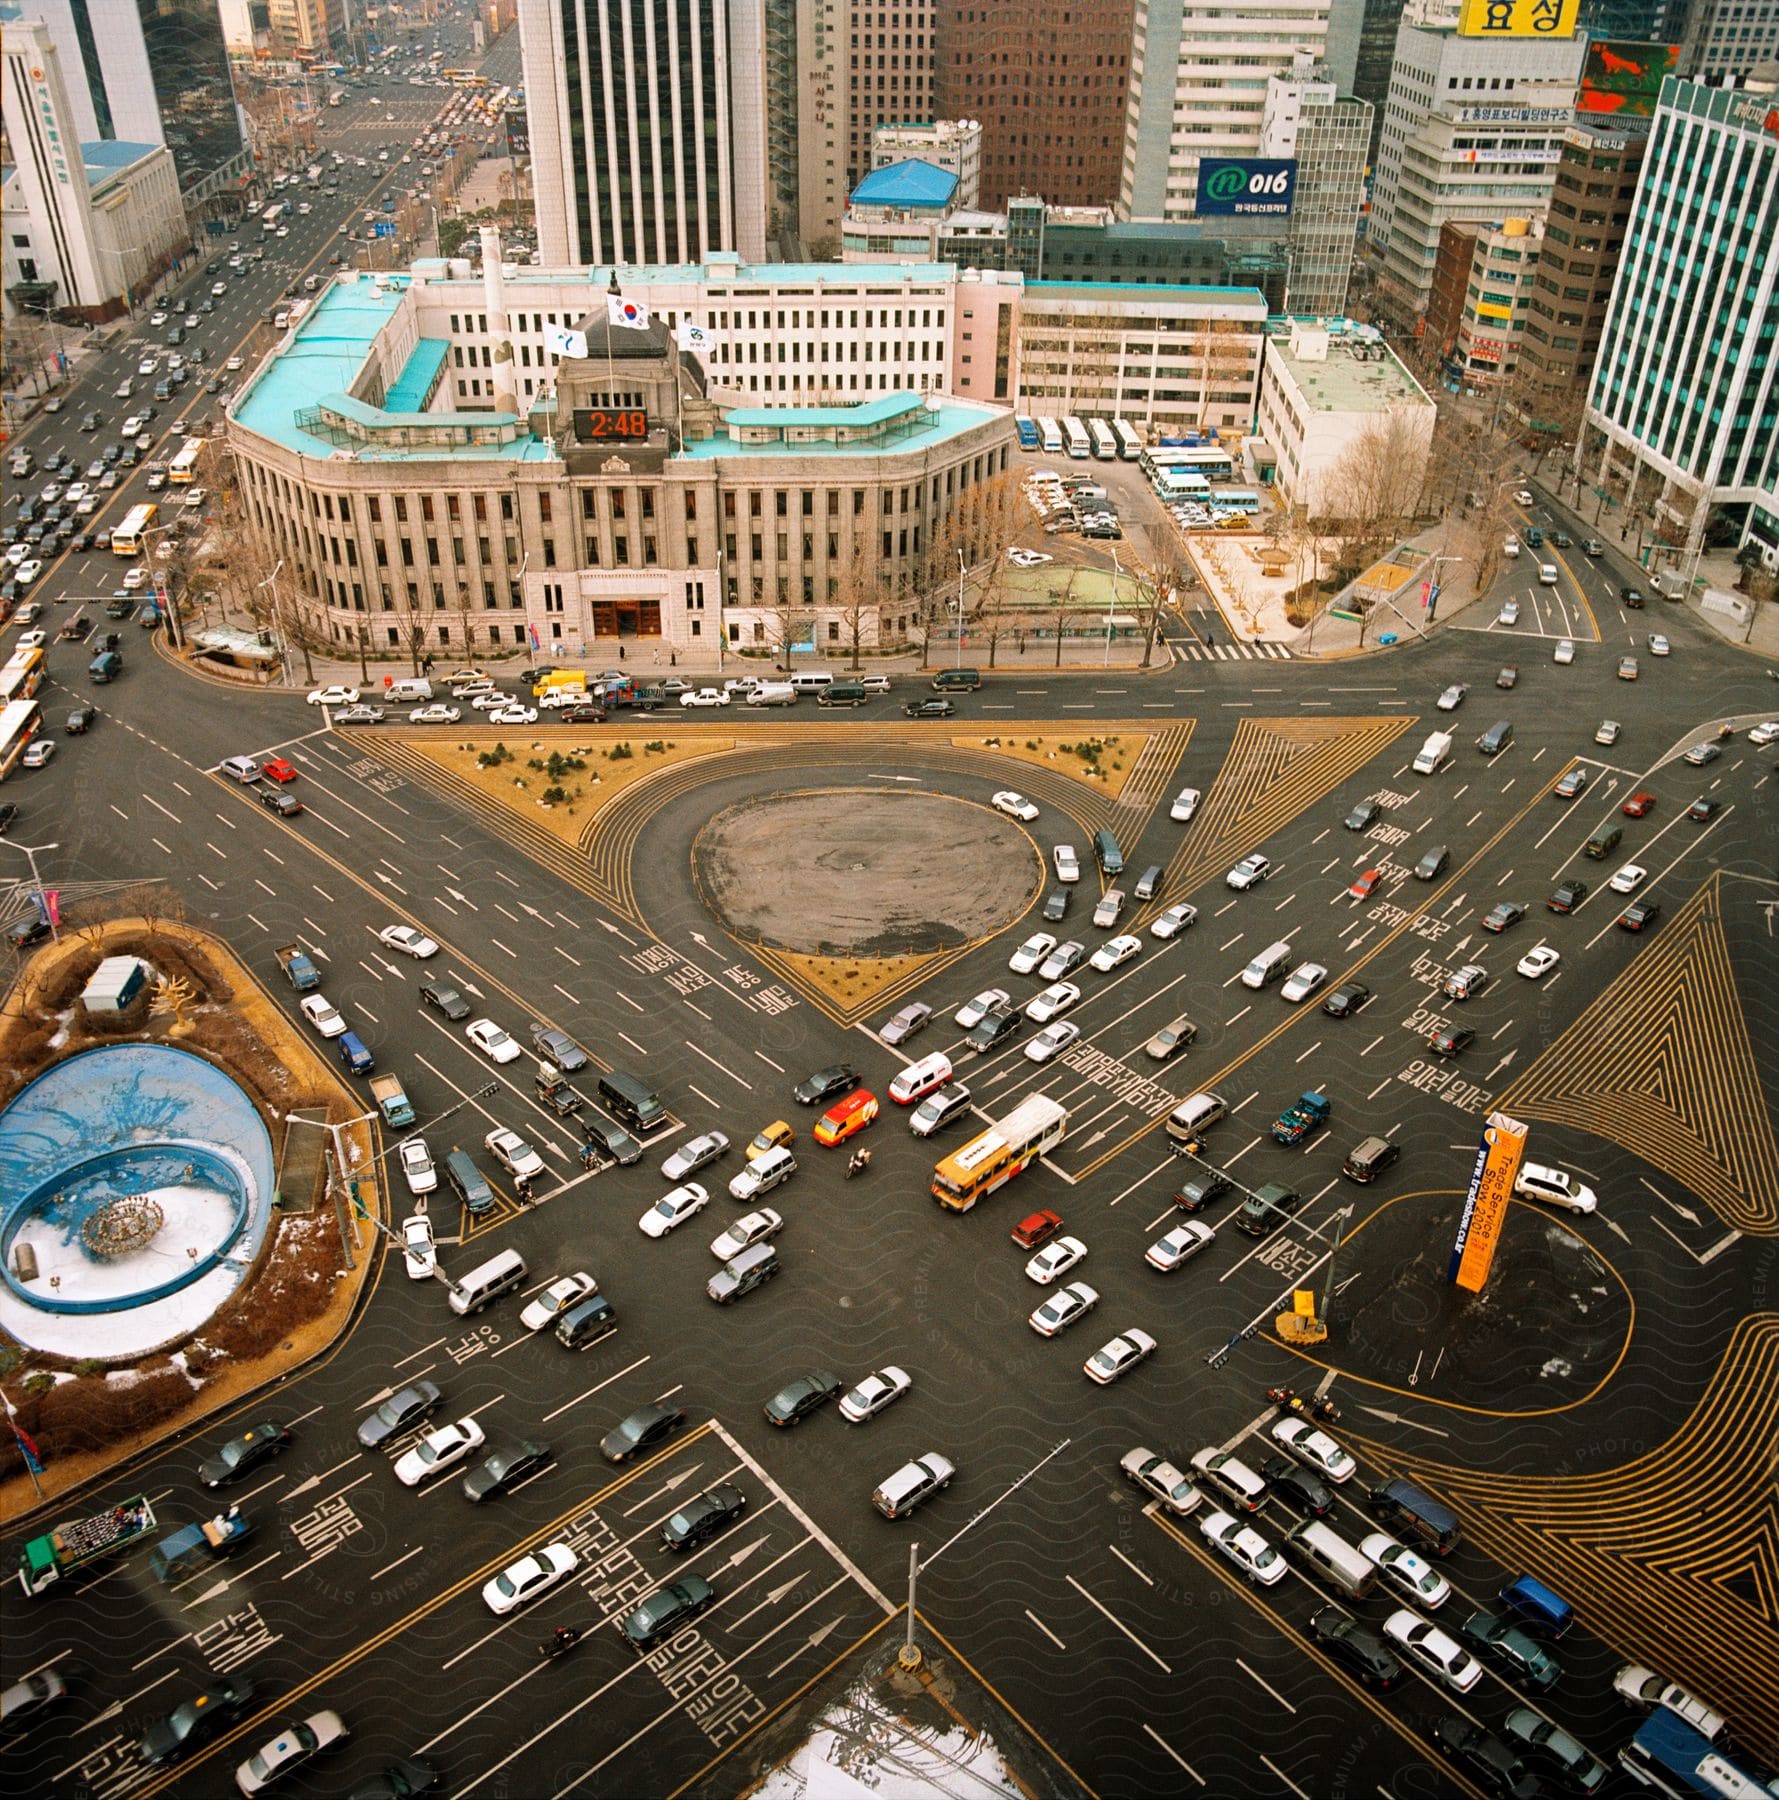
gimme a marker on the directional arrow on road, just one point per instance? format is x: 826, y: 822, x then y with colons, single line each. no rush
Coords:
x: 462, y: 899
x: 1390, y: 1418
x: 772, y: 1599
x: 813, y: 1641
x: 315, y: 1481
x: 389, y: 881
x: 1617, y: 1230
x: 698, y: 937
x: 1502, y: 1064
x: 609, y: 926
x: 1674, y: 1206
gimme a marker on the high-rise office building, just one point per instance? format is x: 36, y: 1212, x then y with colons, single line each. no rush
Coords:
x: 1724, y: 39
x: 1683, y: 414
x: 1048, y: 79
x: 889, y: 75
x: 152, y: 72
x: 307, y: 25
x: 1329, y: 135
x: 1472, y: 130
x: 1198, y: 85
x: 648, y: 128
x: 806, y: 117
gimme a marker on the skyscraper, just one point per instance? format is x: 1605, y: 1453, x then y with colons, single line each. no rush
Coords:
x: 1726, y: 38
x: 1048, y: 80
x: 648, y: 128
x: 890, y: 73
x: 1328, y: 133
x: 1683, y: 415
x: 806, y: 116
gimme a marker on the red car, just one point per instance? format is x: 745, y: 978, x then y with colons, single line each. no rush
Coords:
x: 1639, y: 803
x: 846, y: 1118
x: 1037, y: 1228
x: 1361, y: 889
x: 275, y: 768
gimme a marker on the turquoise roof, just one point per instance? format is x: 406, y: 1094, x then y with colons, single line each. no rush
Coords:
x: 722, y: 273
x: 413, y: 387
x: 867, y: 412
x: 941, y: 423
x: 911, y: 183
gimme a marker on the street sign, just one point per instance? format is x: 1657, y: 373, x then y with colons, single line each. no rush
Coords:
x: 383, y: 229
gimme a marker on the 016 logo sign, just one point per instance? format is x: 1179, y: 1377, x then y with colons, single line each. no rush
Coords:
x: 1247, y: 185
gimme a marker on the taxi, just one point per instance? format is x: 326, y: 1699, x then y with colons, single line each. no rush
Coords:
x: 846, y: 1118
x: 777, y: 1135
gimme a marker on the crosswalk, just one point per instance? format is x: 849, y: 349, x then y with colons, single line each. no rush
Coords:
x: 1193, y: 652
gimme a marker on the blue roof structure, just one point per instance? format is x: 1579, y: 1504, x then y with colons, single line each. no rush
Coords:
x: 106, y: 158
x: 413, y: 387
x: 906, y: 184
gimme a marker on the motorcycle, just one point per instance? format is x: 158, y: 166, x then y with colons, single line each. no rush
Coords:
x: 560, y: 1642
x: 861, y: 1160
x: 1289, y: 1400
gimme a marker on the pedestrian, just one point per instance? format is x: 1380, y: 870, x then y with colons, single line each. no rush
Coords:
x: 522, y: 1183
x: 620, y: 653
x: 673, y: 659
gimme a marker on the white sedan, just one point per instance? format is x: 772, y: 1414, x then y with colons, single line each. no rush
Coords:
x: 438, y: 713
x: 1440, y: 1654
x: 1410, y: 1574
x: 1175, y: 920
x: 1249, y: 872
x: 1304, y: 981
x: 673, y: 1209
x: 1056, y: 1258
x: 556, y: 1299
x: 1658, y: 645
x: 409, y: 941
x: 491, y: 1041
x: 333, y: 696
x: 439, y: 1450
x: 877, y: 1391
x: 704, y: 697
x: 417, y: 1166
x: 1179, y: 1245
x: 28, y: 571
x: 1027, y: 559
x: 1244, y: 1547
x: 1115, y: 951
x: 751, y: 1228
x: 1118, y: 1357
x: 1538, y: 963
x: 1063, y: 1308
x: 1523, y: 497
x: 323, y: 1016
x: 1068, y: 864
x: 1053, y: 1002
x: 419, y: 1251
x: 1032, y: 952
x: 530, y: 1576
x: 513, y: 1154
x: 1015, y: 806
x: 1184, y: 806
x: 972, y: 1011
x: 1629, y: 879
x: 513, y: 714
x: 138, y: 578
x: 1316, y: 1448
x: 1158, y: 1477
x: 1564, y: 652
x: 693, y: 1154
x: 1052, y: 1041
x: 294, y: 1744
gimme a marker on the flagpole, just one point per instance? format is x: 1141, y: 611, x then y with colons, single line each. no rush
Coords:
x: 27, y: 1446
x: 612, y: 293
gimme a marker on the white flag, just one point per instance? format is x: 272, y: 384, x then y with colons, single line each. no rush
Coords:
x: 633, y: 314
x: 560, y: 341
x: 692, y: 336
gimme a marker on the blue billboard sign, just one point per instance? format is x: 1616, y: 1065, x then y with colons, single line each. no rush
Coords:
x: 1247, y: 186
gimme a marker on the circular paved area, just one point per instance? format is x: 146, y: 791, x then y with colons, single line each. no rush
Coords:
x: 865, y: 873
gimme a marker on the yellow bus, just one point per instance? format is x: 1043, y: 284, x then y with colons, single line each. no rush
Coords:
x: 18, y: 725
x: 126, y: 539
x: 184, y: 467
x: 22, y: 676
x: 464, y: 78
x: 996, y: 1155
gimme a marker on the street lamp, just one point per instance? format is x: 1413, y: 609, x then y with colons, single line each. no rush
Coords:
x: 960, y: 607
x: 271, y: 581
x: 1111, y: 598
x: 31, y: 854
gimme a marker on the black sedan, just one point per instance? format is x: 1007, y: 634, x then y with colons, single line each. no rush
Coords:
x: 80, y: 721
x: 1363, y: 816
x: 713, y: 1511
x: 286, y: 806
x: 505, y: 1469
x: 1357, y: 1648
x: 399, y: 1413
x: 1302, y: 1487
x: 1482, y: 1756
x: 443, y: 999
x: 648, y: 1428
x: 1350, y: 997
x: 827, y: 1084
x: 194, y: 1722
x: 242, y: 1454
x: 1451, y: 1040
x: 406, y: 1776
x: 1568, y: 896
x: 667, y: 1609
x: 995, y: 1026
x: 1502, y: 915
x: 611, y: 1141
x: 935, y: 706
x: 792, y: 1404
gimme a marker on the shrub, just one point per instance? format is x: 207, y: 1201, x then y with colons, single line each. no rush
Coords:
x: 619, y: 753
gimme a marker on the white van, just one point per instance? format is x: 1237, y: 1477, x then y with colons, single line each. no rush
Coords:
x: 811, y: 681
x: 921, y: 1078
x: 408, y: 687
x: 1547, y: 574
x: 1268, y: 966
x: 1327, y: 1555
x: 1194, y: 1114
x: 1511, y: 547
x: 772, y: 693
x: 485, y: 1284
x: 763, y: 1174
x: 1435, y: 754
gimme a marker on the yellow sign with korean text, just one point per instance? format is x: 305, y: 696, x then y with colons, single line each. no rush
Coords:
x: 1518, y: 18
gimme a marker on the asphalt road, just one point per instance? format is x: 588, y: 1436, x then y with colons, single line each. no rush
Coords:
x: 1147, y: 1664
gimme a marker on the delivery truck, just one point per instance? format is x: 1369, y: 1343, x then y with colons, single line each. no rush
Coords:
x: 298, y: 970
x: 77, y: 1542
x: 397, y: 1109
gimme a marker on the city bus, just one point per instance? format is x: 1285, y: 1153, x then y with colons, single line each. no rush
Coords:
x: 182, y: 470
x: 126, y: 539
x: 1105, y: 446
x: 995, y: 1156
x: 22, y: 676
x: 1207, y: 459
x: 1027, y: 432
x: 1180, y: 484
x: 1675, y: 1758
x: 464, y: 78
x: 1075, y: 439
x: 1050, y: 433
x: 1130, y: 445
x: 18, y: 725
x: 268, y: 220
x: 1235, y: 500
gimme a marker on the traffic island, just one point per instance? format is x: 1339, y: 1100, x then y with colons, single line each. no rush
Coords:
x: 159, y: 1261
x: 1101, y: 763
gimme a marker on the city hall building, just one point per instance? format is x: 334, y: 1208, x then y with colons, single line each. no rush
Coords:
x: 453, y: 465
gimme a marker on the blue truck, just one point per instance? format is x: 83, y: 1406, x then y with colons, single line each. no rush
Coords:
x: 299, y: 971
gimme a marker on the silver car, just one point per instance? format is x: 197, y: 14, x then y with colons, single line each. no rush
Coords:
x: 692, y: 1155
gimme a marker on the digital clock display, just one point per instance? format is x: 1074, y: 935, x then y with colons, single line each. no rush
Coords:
x: 602, y: 426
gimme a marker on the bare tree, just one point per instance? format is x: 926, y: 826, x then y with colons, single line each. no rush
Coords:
x: 1155, y: 586
x: 1226, y: 350
x: 1371, y: 492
